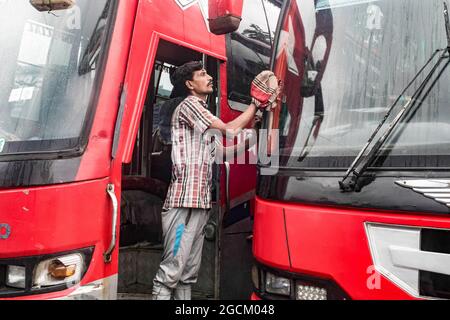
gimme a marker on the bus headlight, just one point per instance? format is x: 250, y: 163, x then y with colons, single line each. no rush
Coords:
x: 305, y: 292
x: 62, y: 270
x: 278, y: 285
x: 15, y: 277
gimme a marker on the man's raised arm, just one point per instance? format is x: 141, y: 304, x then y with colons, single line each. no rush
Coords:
x: 233, y: 128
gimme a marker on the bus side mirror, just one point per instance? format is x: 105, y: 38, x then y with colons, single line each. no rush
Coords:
x: 52, y: 5
x: 225, y: 15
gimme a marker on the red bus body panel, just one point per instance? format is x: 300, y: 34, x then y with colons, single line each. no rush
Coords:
x: 329, y: 243
x: 53, y: 219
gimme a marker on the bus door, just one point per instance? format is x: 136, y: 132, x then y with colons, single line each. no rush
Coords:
x: 145, y: 180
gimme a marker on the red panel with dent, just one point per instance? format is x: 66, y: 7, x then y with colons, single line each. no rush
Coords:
x: 59, y: 218
x: 269, y: 236
x: 96, y: 161
x: 48, y: 220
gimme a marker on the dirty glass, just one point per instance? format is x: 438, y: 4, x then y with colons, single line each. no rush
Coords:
x: 249, y: 48
x: 344, y: 62
x: 49, y: 67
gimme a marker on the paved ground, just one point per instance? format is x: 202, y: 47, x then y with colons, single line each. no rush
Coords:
x: 133, y: 296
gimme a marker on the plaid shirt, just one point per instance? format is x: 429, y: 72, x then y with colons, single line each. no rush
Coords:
x: 192, y: 156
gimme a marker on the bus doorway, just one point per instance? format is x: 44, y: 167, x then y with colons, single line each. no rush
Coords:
x: 145, y: 182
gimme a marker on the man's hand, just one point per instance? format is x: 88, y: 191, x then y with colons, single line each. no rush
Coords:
x: 268, y: 88
x: 265, y: 90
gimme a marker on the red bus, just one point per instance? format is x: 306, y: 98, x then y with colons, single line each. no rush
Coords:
x: 358, y: 205
x: 82, y: 174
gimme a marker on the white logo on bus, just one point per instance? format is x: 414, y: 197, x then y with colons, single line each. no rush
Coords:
x: 287, y: 46
x: 203, y: 4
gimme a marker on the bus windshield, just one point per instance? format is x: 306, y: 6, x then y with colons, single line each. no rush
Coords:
x: 343, y: 64
x: 49, y: 65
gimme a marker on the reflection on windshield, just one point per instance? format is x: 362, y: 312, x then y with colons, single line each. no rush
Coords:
x: 249, y: 49
x: 44, y: 99
x: 343, y: 64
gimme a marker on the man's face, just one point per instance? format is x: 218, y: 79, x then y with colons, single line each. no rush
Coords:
x: 201, y: 83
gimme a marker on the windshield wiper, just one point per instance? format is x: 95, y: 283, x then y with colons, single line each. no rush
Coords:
x: 350, y: 181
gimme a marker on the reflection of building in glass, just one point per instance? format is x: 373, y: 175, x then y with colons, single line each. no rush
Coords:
x: 249, y: 49
x: 45, y: 97
x: 378, y: 47
x: 42, y: 49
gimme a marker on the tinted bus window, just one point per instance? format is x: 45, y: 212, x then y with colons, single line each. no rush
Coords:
x: 344, y: 63
x: 50, y: 63
x: 249, y: 48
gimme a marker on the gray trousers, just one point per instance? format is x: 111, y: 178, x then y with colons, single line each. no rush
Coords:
x: 183, y: 234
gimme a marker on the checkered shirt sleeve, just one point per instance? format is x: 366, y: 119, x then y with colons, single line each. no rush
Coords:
x: 196, y: 116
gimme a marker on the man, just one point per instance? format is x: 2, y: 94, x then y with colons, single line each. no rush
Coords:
x: 185, y: 211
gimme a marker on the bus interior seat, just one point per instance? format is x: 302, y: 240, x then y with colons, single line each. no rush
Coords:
x: 140, y: 218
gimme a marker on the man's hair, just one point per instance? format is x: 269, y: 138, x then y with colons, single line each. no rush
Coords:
x: 181, y: 75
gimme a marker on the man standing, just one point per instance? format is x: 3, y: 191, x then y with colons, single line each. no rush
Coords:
x: 186, y: 209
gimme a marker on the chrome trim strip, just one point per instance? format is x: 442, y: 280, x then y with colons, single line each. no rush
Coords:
x: 437, y: 195
x: 436, y: 189
x: 441, y: 190
x: 420, y: 260
x: 112, y: 245
x: 429, y: 183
